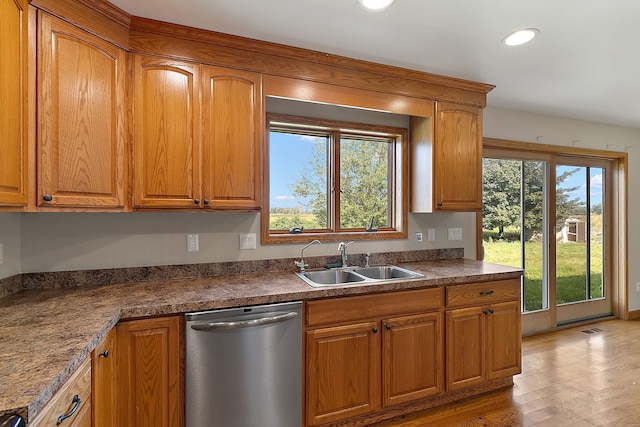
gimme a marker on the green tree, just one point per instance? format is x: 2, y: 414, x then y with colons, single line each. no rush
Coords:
x: 500, y: 194
x: 503, y: 191
x: 364, y: 183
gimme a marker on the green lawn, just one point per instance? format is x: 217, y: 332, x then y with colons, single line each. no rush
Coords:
x: 570, y: 275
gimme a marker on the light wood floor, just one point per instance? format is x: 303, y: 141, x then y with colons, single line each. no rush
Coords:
x: 569, y: 378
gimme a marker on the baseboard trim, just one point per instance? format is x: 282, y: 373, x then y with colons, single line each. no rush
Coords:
x: 634, y: 315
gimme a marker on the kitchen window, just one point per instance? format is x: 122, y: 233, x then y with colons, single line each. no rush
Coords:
x: 329, y: 178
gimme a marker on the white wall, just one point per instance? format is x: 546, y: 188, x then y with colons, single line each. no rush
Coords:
x: 526, y: 127
x: 11, y: 248
x: 81, y: 241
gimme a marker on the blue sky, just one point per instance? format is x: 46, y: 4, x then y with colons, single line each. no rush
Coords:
x: 288, y: 155
x: 579, y: 179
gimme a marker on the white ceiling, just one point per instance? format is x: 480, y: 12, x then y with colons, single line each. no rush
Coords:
x: 585, y: 64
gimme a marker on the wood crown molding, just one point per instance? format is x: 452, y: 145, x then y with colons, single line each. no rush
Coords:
x: 98, y: 17
x: 147, y: 36
x: 161, y: 38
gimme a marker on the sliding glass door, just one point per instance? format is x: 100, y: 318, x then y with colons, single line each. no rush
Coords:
x: 582, y: 287
x: 547, y: 215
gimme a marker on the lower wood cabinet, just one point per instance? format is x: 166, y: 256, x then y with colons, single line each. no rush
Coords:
x: 71, y: 405
x: 484, y: 335
x: 381, y: 350
x: 104, y: 381
x: 150, y: 372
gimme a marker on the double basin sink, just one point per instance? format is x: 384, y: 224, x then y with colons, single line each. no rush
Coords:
x: 355, y: 275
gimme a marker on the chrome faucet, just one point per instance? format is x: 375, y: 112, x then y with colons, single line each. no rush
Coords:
x: 300, y: 264
x: 342, y: 247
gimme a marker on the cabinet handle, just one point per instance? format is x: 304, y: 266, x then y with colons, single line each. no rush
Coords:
x: 48, y: 197
x: 196, y: 201
x: 206, y: 201
x: 388, y: 327
x: 486, y: 293
x: 104, y: 354
x: 76, y: 400
x: 374, y: 330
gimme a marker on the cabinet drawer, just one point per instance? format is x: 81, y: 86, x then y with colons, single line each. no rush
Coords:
x: 482, y: 293
x: 63, y: 401
x: 338, y: 310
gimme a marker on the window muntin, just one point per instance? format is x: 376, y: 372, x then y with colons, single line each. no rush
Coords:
x: 328, y: 177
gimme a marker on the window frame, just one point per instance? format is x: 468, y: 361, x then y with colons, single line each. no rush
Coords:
x: 398, y: 180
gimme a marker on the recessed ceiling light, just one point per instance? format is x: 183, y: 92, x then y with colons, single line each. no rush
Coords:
x: 376, y: 5
x: 520, y: 37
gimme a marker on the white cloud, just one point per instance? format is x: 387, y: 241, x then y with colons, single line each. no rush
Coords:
x: 285, y: 198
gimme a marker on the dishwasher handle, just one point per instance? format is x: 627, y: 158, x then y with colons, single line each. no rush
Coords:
x: 277, y: 317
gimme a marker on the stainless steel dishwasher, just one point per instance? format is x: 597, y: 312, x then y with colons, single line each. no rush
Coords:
x: 243, y: 367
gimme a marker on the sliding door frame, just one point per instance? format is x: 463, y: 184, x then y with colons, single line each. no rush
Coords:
x: 617, y: 250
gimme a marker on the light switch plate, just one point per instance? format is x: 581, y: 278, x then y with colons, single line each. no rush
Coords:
x: 247, y: 241
x: 192, y: 243
x: 455, y: 233
x: 1, y: 253
x: 431, y: 234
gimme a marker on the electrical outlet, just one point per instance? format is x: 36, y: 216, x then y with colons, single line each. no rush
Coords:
x: 419, y: 237
x: 431, y: 234
x: 247, y: 241
x: 637, y: 283
x: 192, y: 243
x: 455, y: 233
x: 1, y: 253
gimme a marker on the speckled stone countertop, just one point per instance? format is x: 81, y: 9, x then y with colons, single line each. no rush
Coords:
x: 45, y: 334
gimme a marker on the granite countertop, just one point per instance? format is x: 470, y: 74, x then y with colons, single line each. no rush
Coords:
x: 46, y: 334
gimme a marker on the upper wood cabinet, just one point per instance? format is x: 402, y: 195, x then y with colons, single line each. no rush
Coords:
x: 166, y: 133
x: 175, y: 165
x: 232, y: 138
x: 150, y: 372
x: 81, y: 118
x: 446, y: 160
x: 14, y: 160
x: 457, y: 158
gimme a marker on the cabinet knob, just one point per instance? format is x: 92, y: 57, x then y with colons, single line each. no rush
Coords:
x: 48, y: 197
x: 374, y: 330
x: 196, y: 201
x: 485, y: 312
x: 439, y: 204
x: 206, y: 201
x: 491, y: 310
x: 388, y: 327
x: 104, y: 354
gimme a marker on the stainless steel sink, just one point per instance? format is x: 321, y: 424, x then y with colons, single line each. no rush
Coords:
x: 386, y: 272
x: 355, y: 275
x: 330, y: 277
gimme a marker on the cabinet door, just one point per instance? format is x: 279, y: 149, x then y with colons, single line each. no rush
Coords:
x: 81, y: 110
x: 150, y: 367
x: 13, y: 103
x: 457, y: 158
x: 166, y: 133
x: 103, y: 379
x: 232, y: 138
x: 342, y: 372
x: 504, y: 339
x: 465, y: 348
x: 412, y: 358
